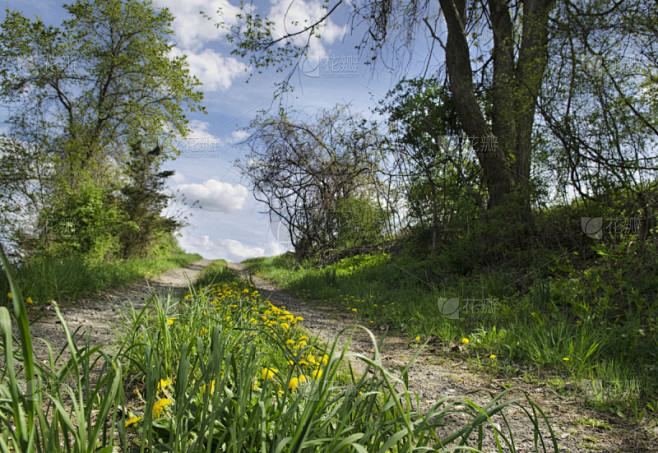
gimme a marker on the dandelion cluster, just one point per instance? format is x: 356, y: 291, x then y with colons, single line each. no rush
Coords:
x: 239, y: 307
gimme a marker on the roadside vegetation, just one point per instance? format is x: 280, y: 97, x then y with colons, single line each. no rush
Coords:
x: 583, y: 319
x: 223, y: 369
x: 66, y: 279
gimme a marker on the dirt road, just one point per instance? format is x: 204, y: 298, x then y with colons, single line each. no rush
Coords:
x: 99, y: 316
x: 436, y: 374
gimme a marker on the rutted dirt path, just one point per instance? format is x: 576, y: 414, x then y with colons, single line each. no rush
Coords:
x: 99, y: 315
x: 435, y: 375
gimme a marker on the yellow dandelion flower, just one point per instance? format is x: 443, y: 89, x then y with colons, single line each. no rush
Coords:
x: 298, y: 318
x: 354, y: 310
x: 303, y: 338
x: 285, y: 326
x: 132, y: 421
x: 417, y: 339
x: 159, y: 406
x: 170, y: 321
x: 268, y: 373
x: 492, y: 356
x: 303, y: 363
x: 566, y: 359
x: 293, y: 383
x: 29, y: 300
x: 301, y: 378
x: 311, y: 359
x: 317, y: 374
x: 290, y: 341
x: 10, y: 295
x: 203, y: 331
x: 464, y: 340
x: 325, y: 359
x: 163, y: 384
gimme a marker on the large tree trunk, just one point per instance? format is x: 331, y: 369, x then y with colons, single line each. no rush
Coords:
x: 504, y: 149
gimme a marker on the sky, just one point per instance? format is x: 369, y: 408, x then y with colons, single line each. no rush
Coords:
x: 231, y: 224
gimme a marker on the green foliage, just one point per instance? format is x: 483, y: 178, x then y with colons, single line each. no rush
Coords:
x: 602, y: 319
x: 359, y: 222
x: 100, y: 83
x: 50, y: 404
x: 221, y: 370
x: 216, y: 273
x: 120, y: 45
x: 143, y: 201
x: 87, y: 221
x: 443, y: 190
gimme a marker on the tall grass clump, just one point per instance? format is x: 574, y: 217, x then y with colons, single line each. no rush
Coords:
x: 71, y: 404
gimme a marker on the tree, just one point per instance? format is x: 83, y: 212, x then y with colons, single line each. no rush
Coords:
x: 310, y: 174
x: 496, y: 102
x: 429, y: 147
x: 598, y: 112
x: 143, y: 201
x: 81, y: 94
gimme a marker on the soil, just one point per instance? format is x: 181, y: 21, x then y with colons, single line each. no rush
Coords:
x: 437, y: 372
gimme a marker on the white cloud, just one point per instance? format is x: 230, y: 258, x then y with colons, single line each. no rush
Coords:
x: 211, y: 68
x: 216, y: 195
x: 192, y: 30
x: 228, y: 249
x: 199, y: 139
x: 275, y: 248
x: 177, y: 178
x: 238, y: 136
x: 290, y: 18
x: 200, y: 129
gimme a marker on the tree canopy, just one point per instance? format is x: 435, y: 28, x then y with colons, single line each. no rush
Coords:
x: 82, y: 96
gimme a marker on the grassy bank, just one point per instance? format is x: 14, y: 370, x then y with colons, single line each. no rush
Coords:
x: 593, y: 325
x: 224, y: 370
x: 63, y: 280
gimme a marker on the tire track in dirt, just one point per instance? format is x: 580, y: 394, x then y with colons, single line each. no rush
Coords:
x: 436, y: 374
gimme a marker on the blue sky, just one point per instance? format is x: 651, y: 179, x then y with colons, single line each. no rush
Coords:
x: 231, y: 224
